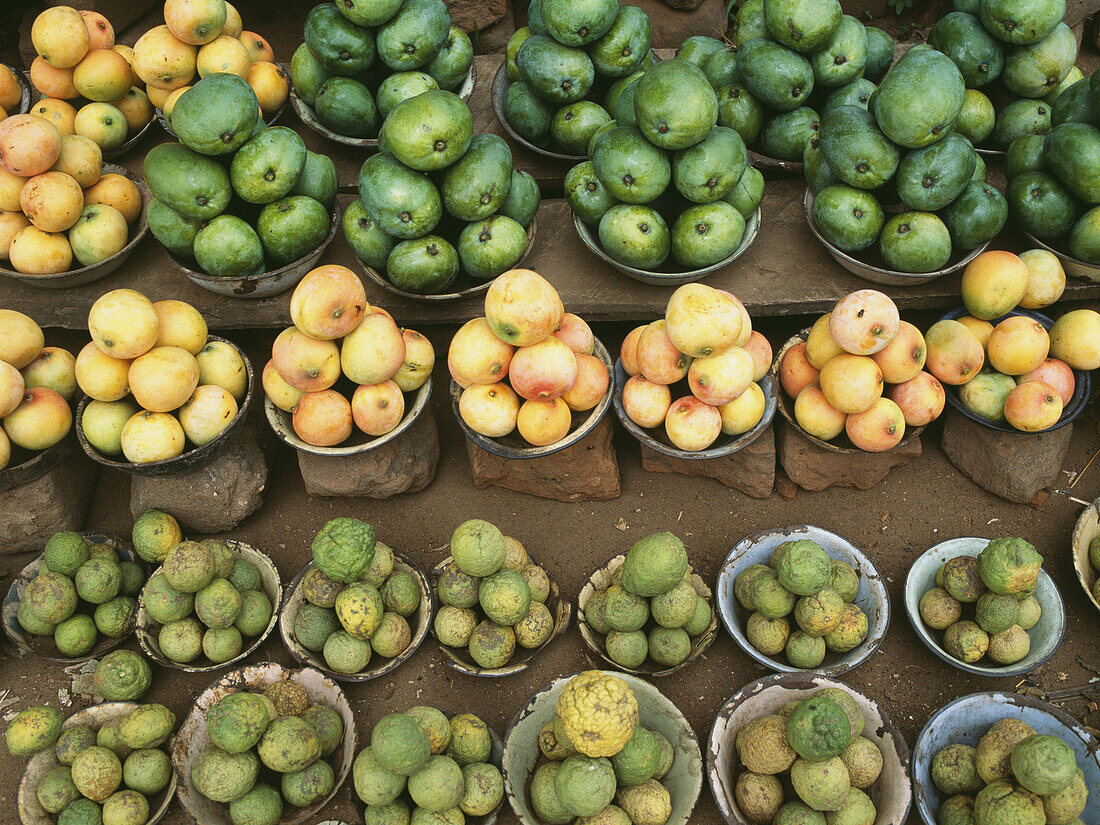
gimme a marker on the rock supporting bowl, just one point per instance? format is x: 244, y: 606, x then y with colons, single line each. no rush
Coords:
x: 872, y: 598
x: 966, y: 719
x: 1074, y: 267
x: 193, y: 736
x: 32, y: 813
x: 684, y: 779
x: 1086, y: 529
x: 281, y: 423
x: 460, y: 659
x: 601, y: 580
x: 35, y: 464
x: 419, y: 623
x: 667, y: 276
x: 147, y: 629
x: 891, y: 792
x: 1046, y: 636
x: 43, y: 646
x: 513, y: 445
x: 189, y: 459
x: 90, y: 274
x: 877, y: 272
x: 657, y: 440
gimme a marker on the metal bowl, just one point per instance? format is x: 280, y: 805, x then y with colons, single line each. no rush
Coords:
x: 1074, y: 267
x: 89, y: 274
x: 308, y: 115
x: 25, y: 89
x: 657, y: 440
x: 872, y: 598
x: 95, y: 717
x: 148, y: 629
x: 1086, y: 529
x: 786, y: 409
x: 43, y: 646
x: 193, y: 737
x: 1046, y: 636
x: 965, y: 721
x: 684, y: 779
x: 265, y: 284
x: 129, y: 143
x: 667, y: 276
x: 513, y: 445
x: 600, y: 580
x: 460, y: 659
x: 770, y: 164
x: 991, y: 154
x: 281, y: 422
x: 892, y: 792
x: 32, y: 95
x: 878, y: 274
x: 419, y: 622
x: 467, y: 285
x: 1082, y: 384
x: 190, y: 459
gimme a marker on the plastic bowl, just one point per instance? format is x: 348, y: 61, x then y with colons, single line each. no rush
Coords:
x: 872, y: 598
x: 1082, y: 386
x: 32, y: 813
x: 459, y: 657
x: 601, y: 580
x: 43, y: 646
x: 514, y: 446
x: 1074, y: 267
x: 965, y: 721
x: 90, y: 274
x: 419, y: 623
x: 656, y: 712
x: 1087, y: 529
x: 147, y: 629
x: 656, y: 439
x: 891, y: 793
x: 1046, y: 636
x: 190, y: 459
x: 193, y: 737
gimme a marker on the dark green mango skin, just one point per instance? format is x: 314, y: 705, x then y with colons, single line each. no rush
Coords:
x: 624, y: 105
x: 1037, y: 70
x: 1075, y: 105
x: 1021, y: 23
x: 856, y: 150
x: 365, y: 237
x: 291, y: 227
x: 577, y: 23
x: 930, y: 178
x: 698, y: 49
x: 844, y: 58
x: 1073, y: 153
x: 750, y: 22
x: 1041, y: 205
x: 636, y: 235
x: 528, y: 114
x: 920, y: 98
x: 1084, y: 238
x: 625, y: 45
x: 554, y: 72
x: 1025, y: 154
x: 748, y: 192
x: 777, y: 77
x: 721, y: 68
x: 856, y: 93
x: 586, y: 196
x: 452, y: 62
x: 978, y: 54
x: 193, y: 185
x: 630, y: 167
x: 615, y: 91
x: 522, y: 202
x: 342, y: 47
x: 1019, y: 118
x: 706, y: 233
x: 806, y: 26
x: 404, y: 203
x: 708, y: 170
x: 425, y: 265
x: 475, y: 185
x: 880, y: 53
x: 175, y: 232
x: 674, y: 105
x: 489, y: 247
x: 817, y: 170
x: 976, y: 216
x: 915, y: 242
x: 574, y: 124
x: 742, y: 112
x: 346, y: 107
x: 413, y: 36
x: 849, y: 218
x: 785, y: 136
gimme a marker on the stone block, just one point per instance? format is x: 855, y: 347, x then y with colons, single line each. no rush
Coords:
x: 479, y: 15
x: 404, y: 465
x: 495, y: 37
x: 1015, y: 466
x: 214, y: 497
x: 812, y: 467
x: 671, y: 27
x: 585, y: 471
x: 55, y: 501
x: 750, y: 470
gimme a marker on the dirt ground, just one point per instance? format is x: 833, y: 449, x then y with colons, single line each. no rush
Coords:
x: 917, y: 506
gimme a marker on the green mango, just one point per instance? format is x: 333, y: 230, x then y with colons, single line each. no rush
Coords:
x: 1019, y: 118
x: 880, y: 54
x: 522, y: 202
x: 1025, y: 154
x: 979, y: 169
x: 414, y: 35
x: 1075, y: 105
x: 306, y: 73
x: 1038, y: 69
x: 675, y: 105
x: 615, y: 90
x: 399, y: 87
x: 574, y: 124
x: 510, y: 50
x: 491, y: 246
x: 189, y: 183
x: 1021, y: 23
x: 624, y: 105
x: 599, y: 133
x: 816, y: 169
x: 554, y: 72
x: 341, y: 46
x: 928, y: 179
x: 806, y: 26
x: 977, y: 118
x: 404, y: 203
x: 708, y: 170
x: 844, y: 58
x: 776, y: 76
x: 979, y: 56
x: 850, y: 219
x: 346, y: 107
x: 698, y: 49
x: 856, y: 149
x: 706, y: 233
x: 267, y: 166
x: 424, y: 265
x: 621, y: 50
x: 227, y: 247
x: 365, y: 237
x: 368, y: 12
x: 1073, y: 153
x: 1084, y: 238
x: 534, y: 18
x: 740, y: 111
x: 786, y: 134
x: 430, y: 131
x: 919, y: 100
x: 915, y: 242
x: 1072, y: 76
x: 528, y: 114
x: 318, y: 179
x: 969, y: 6
x: 750, y: 23
x: 475, y: 186
x: 586, y: 196
x: 216, y: 115
x: 721, y: 69
x: 290, y: 228
x: 451, y: 64
x: 856, y: 93
x: 1040, y: 205
x: 175, y: 232
x: 977, y: 215
x: 631, y: 168
x: 578, y: 22
x: 636, y: 235
x: 747, y: 193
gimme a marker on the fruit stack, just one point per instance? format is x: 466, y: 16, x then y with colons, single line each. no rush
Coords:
x: 1094, y: 561
x: 235, y: 196
x: 837, y: 376
x: 492, y: 596
x: 897, y: 149
x: 566, y: 55
x: 155, y: 380
x: 1028, y: 379
x: 337, y: 333
x: 82, y: 591
x: 423, y: 767
x: 1000, y: 582
x: 782, y: 53
x: 356, y: 604
x: 90, y: 86
x: 471, y: 215
x: 819, y: 592
x: 37, y: 384
x: 706, y: 337
x: 527, y: 365
x: 650, y: 609
x: 360, y: 59
x: 11, y: 92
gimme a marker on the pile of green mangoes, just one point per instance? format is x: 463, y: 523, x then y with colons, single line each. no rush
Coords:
x: 236, y: 196
x: 361, y: 58
x: 438, y: 199
x: 563, y: 60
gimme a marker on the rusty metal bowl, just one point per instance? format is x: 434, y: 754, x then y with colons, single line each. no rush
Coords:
x: 193, y: 737
x: 460, y: 659
x: 419, y: 623
x: 95, y: 717
x: 1086, y: 529
x: 601, y: 580
x: 873, y: 598
x: 892, y: 792
x: 43, y: 646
